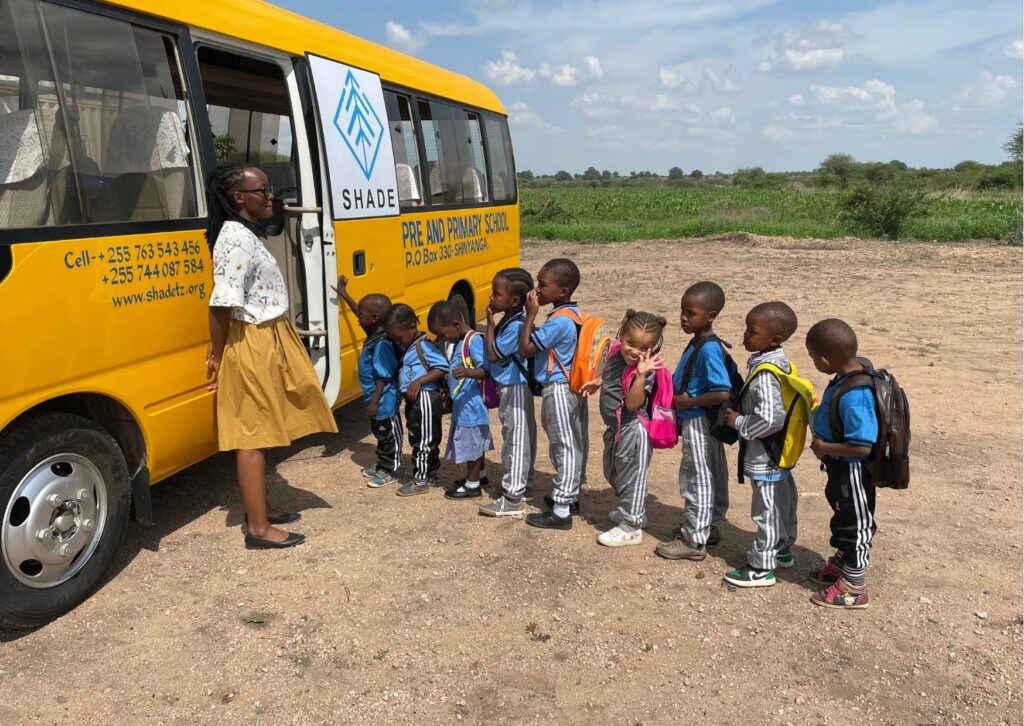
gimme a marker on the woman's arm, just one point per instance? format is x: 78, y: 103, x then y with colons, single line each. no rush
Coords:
x: 220, y: 319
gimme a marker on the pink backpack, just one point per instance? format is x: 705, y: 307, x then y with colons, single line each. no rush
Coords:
x: 659, y: 418
x: 488, y: 390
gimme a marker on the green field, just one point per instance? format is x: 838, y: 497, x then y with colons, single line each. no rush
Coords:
x: 620, y: 214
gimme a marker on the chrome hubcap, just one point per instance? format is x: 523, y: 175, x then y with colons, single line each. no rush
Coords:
x: 54, y: 520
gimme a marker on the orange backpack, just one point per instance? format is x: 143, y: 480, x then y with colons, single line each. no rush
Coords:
x: 592, y: 344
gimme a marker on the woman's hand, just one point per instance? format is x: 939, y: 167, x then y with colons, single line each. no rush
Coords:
x: 212, y: 368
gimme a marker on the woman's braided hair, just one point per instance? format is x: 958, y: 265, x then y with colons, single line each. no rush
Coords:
x: 222, y: 181
x: 520, y: 282
x: 645, y: 323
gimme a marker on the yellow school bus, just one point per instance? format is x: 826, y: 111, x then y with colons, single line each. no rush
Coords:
x: 387, y: 169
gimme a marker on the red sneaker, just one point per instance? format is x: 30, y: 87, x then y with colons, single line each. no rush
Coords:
x: 827, y: 574
x: 842, y: 596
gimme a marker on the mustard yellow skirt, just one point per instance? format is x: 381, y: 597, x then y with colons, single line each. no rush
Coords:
x: 268, y: 393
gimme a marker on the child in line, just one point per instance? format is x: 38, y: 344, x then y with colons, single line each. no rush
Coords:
x: 553, y: 343
x: 378, y: 377
x: 703, y: 472
x: 627, y: 446
x: 470, y: 434
x: 512, y: 375
x: 832, y: 345
x: 762, y: 414
x: 422, y: 369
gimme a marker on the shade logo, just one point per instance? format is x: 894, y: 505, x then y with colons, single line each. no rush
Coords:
x: 359, y: 125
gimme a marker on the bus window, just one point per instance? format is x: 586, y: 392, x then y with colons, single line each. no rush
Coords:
x: 455, y: 156
x: 118, y: 97
x: 499, y: 158
x: 403, y: 142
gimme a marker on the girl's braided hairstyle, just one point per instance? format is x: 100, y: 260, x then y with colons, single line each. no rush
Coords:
x: 520, y: 282
x: 646, y: 323
x: 222, y: 181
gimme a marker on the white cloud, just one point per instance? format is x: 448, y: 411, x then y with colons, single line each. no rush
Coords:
x: 810, y: 47
x: 1015, y: 50
x: 564, y: 75
x: 713, y: 133
x: 797, y: 99
x: 989, y: 90
x: 520, y: 114
x: 879, y: 97
x: 684, y: 78
x: 809, y: 60
x: 508, y: 71
x: 778, y: 134
x: 401, y: 38
x: 592, y: 67
x: 911, y: 118
x: 724, y: 114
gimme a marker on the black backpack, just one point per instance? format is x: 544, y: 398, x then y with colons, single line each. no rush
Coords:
x: 442, y: 385
x: 716, y: 414
x: 889, y: 461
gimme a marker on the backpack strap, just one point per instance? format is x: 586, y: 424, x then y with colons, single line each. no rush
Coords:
x: 467, y: 358
x: 577, y: 320
x: 847, y: 382
x: 419, y: 352
x: 691, y: 362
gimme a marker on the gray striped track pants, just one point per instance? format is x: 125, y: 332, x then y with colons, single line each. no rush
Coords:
x: 703, y: 481
x: 770, y: 504
x: 560, y: 417
x: 626, y: 462
x: 518, y: 439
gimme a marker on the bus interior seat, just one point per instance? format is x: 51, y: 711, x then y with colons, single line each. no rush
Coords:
x: 281, y: 175
x: 147, y: 170
x: 436, y: 177
x: 499, y: 186
x: 474, y: 188
x: 408, y: 186
x: 23, y: 188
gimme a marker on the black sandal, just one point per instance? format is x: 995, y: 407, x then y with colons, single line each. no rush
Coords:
x: 282, y: 518
x: 252, y: 542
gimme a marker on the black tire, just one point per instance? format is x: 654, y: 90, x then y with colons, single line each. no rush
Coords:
x: 23, y: 447
x: 459, y: 300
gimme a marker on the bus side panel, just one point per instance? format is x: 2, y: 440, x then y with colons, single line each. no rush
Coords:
x: 417, y: 259
x: 120, y: 316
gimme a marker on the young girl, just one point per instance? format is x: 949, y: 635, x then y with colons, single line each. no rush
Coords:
x: 515, y: 383
x: 627, y: 448
x: 421, y: 370
x: 470, y: 435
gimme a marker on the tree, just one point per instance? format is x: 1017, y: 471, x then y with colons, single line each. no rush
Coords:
x: 750, y: 177
x: 591, y: 173
x: 696, y: 174
x: 898, y: 165
x: 563, y: 176
x: 606, y: 174
x: 224, y: 146
x: 1014, y: 145
x: 839, y: 167
x: 675, y: 173
x: 525, y: 175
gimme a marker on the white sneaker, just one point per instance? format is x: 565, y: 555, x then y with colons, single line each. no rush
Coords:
x: 617, y: 537
x: 615, y: 517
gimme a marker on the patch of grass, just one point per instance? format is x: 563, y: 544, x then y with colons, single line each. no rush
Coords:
x: 381, y: 654
x: 536, y: 635
x: 621, y: 214
x: 253, y: 619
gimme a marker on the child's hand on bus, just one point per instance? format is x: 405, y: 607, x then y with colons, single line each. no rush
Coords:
x: 590, y: 388
x: 532, y: 305
x: 342, y: 287
x: 458, y: 372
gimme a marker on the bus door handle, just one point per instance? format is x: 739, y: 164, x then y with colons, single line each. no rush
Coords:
x: 307, y: 239
x: 316, y: 334
x: 359, y: 262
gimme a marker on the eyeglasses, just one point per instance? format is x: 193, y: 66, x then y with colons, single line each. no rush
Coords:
x: 267, y: 191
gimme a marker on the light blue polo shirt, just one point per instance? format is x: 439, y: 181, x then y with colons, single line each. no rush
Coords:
x: 379, y: 362
x: 856, y: 411
x: 558, y: 334
x: 412, y: 366
x: 468, y: 408
x: 506, y: 346
x: 709, y: 374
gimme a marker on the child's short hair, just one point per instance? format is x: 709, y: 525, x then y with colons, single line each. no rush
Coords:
x: 778, y: 316
x: 400, y: 314
x: 832, y: 338
x: 710, y: 294
x: 376, y: 302
x: 443, y: 313
x: 565, y: 272
x: 520, y: 282
x: 644, y: 322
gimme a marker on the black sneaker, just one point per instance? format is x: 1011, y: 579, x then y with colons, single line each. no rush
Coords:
x: 549, y: 520
x: 574, y: 508
x: 462, y: 492
x: 484, y: 481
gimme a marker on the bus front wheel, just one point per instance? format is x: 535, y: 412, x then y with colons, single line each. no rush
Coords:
x: 458, y: 299
x: 64, y: 495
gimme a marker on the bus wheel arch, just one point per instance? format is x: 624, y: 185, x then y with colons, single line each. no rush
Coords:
x: 64, y: 498
x: 462, y: 295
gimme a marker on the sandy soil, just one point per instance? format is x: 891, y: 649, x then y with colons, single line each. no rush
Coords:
x: 420, y: 611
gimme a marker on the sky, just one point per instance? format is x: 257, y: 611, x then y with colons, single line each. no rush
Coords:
x: 718, y: 85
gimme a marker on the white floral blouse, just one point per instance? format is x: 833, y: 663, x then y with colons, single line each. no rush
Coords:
x: 246, y: 277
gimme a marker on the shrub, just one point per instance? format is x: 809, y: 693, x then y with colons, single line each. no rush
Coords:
x: 881, y: 209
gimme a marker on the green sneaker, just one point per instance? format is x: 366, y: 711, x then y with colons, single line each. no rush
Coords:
x: 413, y: 488
x: 749, y: 577
x: 784, y: 558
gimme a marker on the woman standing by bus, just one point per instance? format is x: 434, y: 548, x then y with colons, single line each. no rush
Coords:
x: 267, y: 391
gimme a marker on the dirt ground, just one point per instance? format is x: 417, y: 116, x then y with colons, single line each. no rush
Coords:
x: 421, y: 611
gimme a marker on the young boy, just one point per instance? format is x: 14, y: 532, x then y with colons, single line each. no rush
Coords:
x: 422, y: 369
x: 470, y: 434
x: 761, y: 414
x: 703, y: 472
x: 378, y: 377
x: 832, y: 345
x: 553, y: 343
